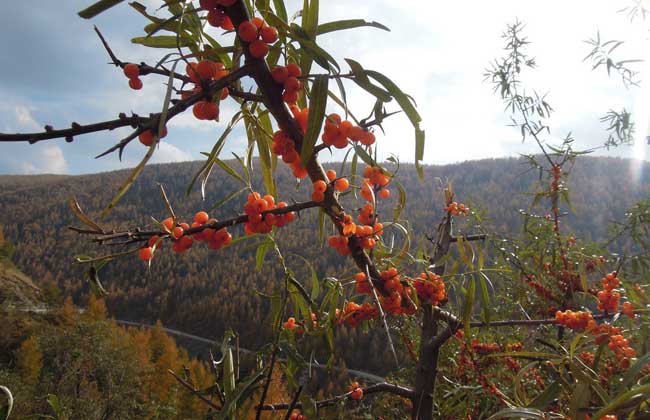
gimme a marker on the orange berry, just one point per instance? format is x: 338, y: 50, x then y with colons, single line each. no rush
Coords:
x: 258, y: 49
x: 279, y: 74
x: 292, y: 84
x: 385, y: 193
x: 210, y: 111
x: 206, y: 69
x: 227, y: 24
x: 132, y: 71
x: 215, y: 18
x: 294, y: 70
x: 247, y: 31
x: 290, y: 97
x: 135, y: 84
x: 193, y: 73
x: 320, y: 186
x: 342, y: 184
x: 168, y: 223
x: 201, y: 217
x: 178, y: 232
x: 258, y: 22
x: 146, y: 138
x: 224, y: 93
x: 318, y: 196
x: 367, y: 138
x: 331, y: 174
x: 154, y: 241
x: 145, y: 254
x: 269, y: 34
x: 197, y: 110
x: 357, y: 394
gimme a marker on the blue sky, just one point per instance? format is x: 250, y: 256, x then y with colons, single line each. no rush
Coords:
x: 54, y: 72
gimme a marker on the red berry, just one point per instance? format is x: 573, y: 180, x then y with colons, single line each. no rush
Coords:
x: 135, y: 84
x: 269, y: 34
x: 258, y: 49
x: 132, y: 71
x: 279, y: 74
x: 294, y: 70
x: 145, y: 254
x: 206, y: 69
x: 247, y: 31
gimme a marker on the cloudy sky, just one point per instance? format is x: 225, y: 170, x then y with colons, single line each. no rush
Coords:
x: 54, y: 72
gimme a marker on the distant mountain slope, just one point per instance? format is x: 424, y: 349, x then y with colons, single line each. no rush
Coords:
x: 16, y: 289
x: 202, y: 291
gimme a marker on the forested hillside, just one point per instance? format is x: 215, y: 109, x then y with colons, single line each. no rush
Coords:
x: 202, y: 292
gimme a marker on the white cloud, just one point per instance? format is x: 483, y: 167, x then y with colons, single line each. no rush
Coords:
x: 47, y: 159
x: 167, y: 152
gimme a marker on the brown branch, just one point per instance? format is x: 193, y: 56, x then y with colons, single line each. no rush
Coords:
x: 139, y: 235
x: 469, y: 238
x: 194, y: 391
x: 372, y: 389
x: 76, y: 129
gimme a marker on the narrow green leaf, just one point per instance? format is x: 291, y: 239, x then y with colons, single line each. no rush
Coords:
x: 364, y: 155
x: 260, y: 254
x: 317, y: 105
x: 230, y: 170
x: 227, y: 199
x: 485, y: 297
x: 130, y: 180
x: 543, y: 400
x: 468, y: 304
x: 361, y: 79
x: 622, y: 399
x: 162, y: 41
x: 97, y: 8
x: 518, y: 413
x: 280, y: 10
x: 347, y: 24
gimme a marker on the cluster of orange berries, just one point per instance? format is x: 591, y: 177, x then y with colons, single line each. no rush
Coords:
x: 457, y: 209
x: 202, y: 71
x: 400, y: 298
x: 430, y: 288
x: 353, y: 313
x: 288, y: 78
x: 620, y: 346
x: 320, y: 186
x: 258, y: 35
x: 374, y: 180
x: 263, y: 223
x: 297, y: 416
x: 132, y: 71
x: 216, y: 239
x: 577, y: 321
x: 284, y: 146
x: 337, y: 132
x: 483, y: 348
x: 290, y: 324
x: 367, y: 234
x: 608, y: 298
x: 356, y: 393
x: 216, y: 13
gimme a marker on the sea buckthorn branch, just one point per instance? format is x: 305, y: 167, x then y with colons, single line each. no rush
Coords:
x: 140, y: 124
x: 372, y: 389
x: 138, y: 235
x: 76, y: 129
x: 144, y: 69
x: 273, y: 100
